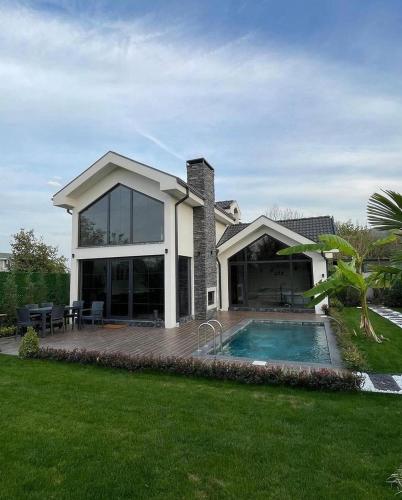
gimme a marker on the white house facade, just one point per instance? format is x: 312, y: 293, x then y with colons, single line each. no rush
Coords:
x: 157, y: 249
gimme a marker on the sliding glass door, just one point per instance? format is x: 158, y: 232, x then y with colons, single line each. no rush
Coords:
x: 131, y: 288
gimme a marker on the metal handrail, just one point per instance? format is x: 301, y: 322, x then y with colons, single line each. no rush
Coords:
x: 220, y: 331
x: 213, y: 328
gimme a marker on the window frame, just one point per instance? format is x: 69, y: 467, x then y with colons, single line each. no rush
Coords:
x: 107, y: 194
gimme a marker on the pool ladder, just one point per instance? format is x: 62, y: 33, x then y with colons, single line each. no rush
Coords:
x: 208, y: 323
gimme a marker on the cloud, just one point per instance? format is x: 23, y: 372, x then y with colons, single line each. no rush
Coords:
x: 281, y: 124
x: 54, y: 183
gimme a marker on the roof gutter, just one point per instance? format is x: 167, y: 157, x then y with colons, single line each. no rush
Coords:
x: 176, y: 248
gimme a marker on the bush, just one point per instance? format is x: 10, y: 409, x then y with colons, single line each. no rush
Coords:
x: 7, y: 331
x: 393, y: 296
x: 29, y: 346
x: 322, y: 379
x: 352, y: 357
x: 349, y: 297
x: 336, y: 304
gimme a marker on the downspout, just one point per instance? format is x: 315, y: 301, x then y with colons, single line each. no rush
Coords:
x: 176, y: 247
x: 219, y: 279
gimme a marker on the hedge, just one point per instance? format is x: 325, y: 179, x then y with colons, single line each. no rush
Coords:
x: 319, y: 379
x: 34, y: 287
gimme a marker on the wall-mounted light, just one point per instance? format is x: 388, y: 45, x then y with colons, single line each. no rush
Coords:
x: 166, y: 250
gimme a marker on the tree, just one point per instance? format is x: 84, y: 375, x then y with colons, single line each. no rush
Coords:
x: 346, y: 274
x: 30, y: 254
x: 361, y: 238
x: 384, y: 213
x: 277, y: 213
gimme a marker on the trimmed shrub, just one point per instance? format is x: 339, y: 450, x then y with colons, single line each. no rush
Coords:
x: 322, y: 379
x: 393, y: 295
x: 29, y: 346
x: 7, y: 331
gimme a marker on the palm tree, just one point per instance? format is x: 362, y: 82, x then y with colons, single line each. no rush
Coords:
x: 346, y: 274
x: 384, y: 211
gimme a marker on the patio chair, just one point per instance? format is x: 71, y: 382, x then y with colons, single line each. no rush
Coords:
x: 24, y: 320
x: 57, y: 318
x: 96, y: 313
x: 46, y: 304
x: 31, y: 306
x: 75, y: 314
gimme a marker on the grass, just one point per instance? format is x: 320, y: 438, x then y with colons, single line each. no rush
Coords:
x: 385, y: 357
x: 83, y: 432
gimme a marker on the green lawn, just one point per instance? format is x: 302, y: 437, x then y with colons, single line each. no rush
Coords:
x: 385, y: 357
x: 71, y: 431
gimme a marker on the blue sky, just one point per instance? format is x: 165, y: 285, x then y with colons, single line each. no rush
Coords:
x: 295, y: 103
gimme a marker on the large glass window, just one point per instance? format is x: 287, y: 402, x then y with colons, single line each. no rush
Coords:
x: 94, y: 281
x: 259, y: 278
x: 93, y: 223
x: 148, y: 287
x: 147, y: 219
x: 120, y: 208
x: 120, y: 217
x: 131, y: 287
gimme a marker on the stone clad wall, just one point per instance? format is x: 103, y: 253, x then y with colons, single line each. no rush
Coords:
x: 200, y: 176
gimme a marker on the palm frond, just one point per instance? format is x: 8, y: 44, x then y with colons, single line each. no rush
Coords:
x: 335, y: 242
x: 384, y: 211
x: 310, y: 247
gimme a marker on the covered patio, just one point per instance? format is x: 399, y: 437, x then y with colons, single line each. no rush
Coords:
x: 132, y: 340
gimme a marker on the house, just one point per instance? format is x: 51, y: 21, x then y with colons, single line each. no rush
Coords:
x: 156, y: 248
x: 4, y: 261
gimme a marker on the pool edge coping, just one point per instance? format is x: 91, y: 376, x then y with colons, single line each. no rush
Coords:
x: 334, y: 353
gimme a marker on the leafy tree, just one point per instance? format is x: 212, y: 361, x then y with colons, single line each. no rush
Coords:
x: 361, y: 238
x: 30, y: 254
x: 346, y: 274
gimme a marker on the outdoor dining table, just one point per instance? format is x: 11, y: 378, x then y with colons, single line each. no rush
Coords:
x: 44, y: 311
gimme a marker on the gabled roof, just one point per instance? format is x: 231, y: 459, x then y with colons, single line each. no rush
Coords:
x: 111, y: 160
x: 4, y: 255
x: 224, y: 204
x: 309, y: 227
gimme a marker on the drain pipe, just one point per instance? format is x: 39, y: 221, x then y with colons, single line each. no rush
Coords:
x: 176, y: 247
x: 219, y: 279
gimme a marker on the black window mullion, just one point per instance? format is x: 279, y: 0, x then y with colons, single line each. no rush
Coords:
x: 108, y: 219
x: 131, y: 217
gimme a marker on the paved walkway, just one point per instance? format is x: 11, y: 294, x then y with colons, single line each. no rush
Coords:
x: 389, y: 314
x: 383, y: 383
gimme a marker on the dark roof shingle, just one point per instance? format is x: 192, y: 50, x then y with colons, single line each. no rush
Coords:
x: 224, y: 204
x: 309, y: 227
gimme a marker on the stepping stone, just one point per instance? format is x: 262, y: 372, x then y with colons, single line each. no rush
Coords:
x: 384, y: 382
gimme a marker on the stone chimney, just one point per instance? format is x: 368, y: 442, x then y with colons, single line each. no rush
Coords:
x: 201, y: 177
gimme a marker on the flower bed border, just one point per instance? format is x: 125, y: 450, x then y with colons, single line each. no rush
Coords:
x: 318, y: 379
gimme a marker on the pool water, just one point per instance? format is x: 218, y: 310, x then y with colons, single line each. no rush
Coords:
x: 286, y: 341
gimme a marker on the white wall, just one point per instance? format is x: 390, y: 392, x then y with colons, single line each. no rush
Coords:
x: 151, y: 188
x: 319, y: 264
x: 220, y: 229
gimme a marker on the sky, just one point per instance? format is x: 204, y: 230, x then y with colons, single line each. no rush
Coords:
x: 296, y: 104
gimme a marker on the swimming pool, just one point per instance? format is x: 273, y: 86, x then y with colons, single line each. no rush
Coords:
x: 300, y: 342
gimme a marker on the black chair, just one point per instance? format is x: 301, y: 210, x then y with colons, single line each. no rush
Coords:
x: 46, y: 304
x: 24, y: 320
x: 31, y: 306
x: 96, y: 313
x: 57, y: 318
x: 75, y: 314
